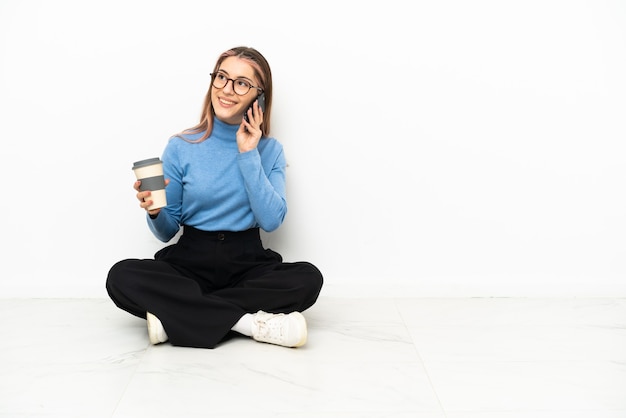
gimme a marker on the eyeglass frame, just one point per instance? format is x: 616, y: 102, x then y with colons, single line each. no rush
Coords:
x: 214, y: 75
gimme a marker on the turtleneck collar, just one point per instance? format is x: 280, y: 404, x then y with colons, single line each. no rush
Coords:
x: 223, y: 130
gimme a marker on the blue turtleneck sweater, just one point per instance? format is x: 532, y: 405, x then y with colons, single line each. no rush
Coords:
x: 214, y: 187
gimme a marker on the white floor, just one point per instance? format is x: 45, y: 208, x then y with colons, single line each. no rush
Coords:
x: 474, y: 358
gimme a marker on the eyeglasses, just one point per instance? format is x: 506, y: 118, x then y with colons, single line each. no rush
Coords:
x: 240, y: 86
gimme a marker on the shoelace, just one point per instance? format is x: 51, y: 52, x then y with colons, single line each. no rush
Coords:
x: 269, y: 322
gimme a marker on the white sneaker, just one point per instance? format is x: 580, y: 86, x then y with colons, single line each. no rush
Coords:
x: 156, y: 332
x: 288, y: 330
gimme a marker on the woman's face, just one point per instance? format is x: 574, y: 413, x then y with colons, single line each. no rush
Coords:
x: 229, y: 106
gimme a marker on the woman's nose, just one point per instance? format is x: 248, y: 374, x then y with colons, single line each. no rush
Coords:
x: 229, y: 87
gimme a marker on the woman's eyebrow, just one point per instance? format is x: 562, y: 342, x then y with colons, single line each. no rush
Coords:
x: 236, y: 78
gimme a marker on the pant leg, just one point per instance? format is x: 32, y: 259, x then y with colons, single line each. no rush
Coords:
x: 190, y: 318
x: 281, y: 288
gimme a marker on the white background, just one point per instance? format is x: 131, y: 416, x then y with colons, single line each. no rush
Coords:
x: 435, y: 148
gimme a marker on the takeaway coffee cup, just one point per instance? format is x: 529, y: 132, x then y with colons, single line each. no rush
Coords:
x: 150, y: 173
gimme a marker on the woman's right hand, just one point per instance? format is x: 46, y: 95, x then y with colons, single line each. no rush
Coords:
x: 144, y: 199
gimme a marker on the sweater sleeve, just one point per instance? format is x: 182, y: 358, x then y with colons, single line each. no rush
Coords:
x: 265, y: 187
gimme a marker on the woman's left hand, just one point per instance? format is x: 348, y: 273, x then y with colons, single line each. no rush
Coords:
x: 249, y: 133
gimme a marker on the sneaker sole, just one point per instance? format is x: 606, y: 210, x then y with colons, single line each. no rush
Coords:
x: 302, y: 323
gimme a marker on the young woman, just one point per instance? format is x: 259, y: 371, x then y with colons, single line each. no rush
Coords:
x: 225, y: 179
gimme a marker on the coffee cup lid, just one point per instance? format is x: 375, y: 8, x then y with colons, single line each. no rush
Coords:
x: 144, y: 163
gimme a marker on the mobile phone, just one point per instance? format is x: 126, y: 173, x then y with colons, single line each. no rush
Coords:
x: 261, y: 99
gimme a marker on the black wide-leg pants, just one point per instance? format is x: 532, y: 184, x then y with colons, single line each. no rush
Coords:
x: 202, y: 285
